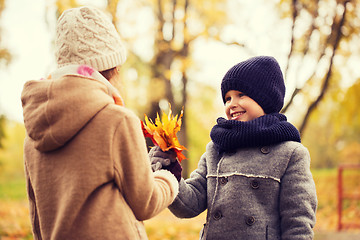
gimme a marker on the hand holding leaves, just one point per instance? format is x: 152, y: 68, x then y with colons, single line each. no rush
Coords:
x: 163, y: 132
x: 165, y: 160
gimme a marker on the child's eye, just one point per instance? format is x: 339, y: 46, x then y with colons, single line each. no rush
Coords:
x: 242, y: 94
x: 228, y: 99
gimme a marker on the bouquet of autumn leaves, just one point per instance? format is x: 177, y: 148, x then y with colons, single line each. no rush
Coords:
x: 163, y: 132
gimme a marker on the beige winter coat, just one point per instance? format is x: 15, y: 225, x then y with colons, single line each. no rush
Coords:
x: 87, y: 169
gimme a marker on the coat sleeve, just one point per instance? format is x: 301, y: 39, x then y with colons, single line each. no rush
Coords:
x: 192, y: 197
x: 298, y: 199
x: 146, y: 193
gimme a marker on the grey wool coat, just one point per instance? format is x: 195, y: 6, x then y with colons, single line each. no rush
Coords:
x: 254, y: 193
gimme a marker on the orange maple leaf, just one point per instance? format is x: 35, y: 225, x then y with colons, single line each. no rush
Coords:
x: 163, y: 132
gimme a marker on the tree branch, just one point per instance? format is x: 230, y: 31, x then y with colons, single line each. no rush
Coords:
x: 326, y: 82
x: 294, y: 16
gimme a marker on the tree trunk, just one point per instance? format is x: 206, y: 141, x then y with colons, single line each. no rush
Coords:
x: 338, y: 36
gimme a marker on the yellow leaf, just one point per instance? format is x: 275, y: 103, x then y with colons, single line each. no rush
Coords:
x: 163, y: 132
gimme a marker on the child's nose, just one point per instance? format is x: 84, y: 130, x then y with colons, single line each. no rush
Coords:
x: 233, y: 104
x: 235, y: 101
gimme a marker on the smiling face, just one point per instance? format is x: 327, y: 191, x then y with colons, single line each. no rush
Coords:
x: 240, y: 107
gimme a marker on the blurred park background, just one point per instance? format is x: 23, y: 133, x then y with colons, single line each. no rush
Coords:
x: 178, y: 52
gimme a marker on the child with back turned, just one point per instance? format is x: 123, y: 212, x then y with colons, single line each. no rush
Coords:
x: 86, y: 163
x: 254, y: 179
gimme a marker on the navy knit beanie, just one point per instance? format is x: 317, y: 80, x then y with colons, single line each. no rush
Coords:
x: 261, y: 79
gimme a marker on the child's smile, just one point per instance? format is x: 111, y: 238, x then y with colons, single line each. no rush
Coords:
x: 236, y: 115
x: 240, y: 107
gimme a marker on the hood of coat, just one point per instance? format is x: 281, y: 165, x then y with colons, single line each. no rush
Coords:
x: 56, y: 110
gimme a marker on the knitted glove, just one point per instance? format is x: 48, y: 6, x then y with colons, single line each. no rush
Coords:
x: 165, y: 160
x: 175, y: 168
x: 160, y: 159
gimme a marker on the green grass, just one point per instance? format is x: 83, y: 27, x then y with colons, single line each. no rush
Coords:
x: 12, y: 189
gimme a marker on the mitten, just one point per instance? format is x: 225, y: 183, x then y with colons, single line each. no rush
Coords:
x: 160, y: 159
x: 175, y: 168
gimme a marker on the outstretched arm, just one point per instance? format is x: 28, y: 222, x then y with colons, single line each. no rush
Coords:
x: 146, y: 193
x: 192, y: 197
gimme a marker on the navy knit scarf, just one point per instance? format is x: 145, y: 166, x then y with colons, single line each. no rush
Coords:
x: 269, y: 129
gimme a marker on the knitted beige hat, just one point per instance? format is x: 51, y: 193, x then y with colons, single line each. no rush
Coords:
x: 85, y: 35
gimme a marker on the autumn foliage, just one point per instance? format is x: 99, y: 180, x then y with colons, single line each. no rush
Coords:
x: 163, y: 132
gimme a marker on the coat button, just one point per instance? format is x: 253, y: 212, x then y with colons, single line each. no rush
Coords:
x: 265, y: 150
x: 250, y: 220
x: 223, y: 180
x: 254, y: 184
x: 217, y: 215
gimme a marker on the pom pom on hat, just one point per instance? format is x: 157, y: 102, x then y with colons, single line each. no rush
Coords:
x: 261, y: 79
x: 85, y: 35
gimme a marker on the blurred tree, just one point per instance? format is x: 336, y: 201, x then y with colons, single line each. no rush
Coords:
x: 350, y: 154
x: 320, y: 136
x: 62, y: 5
x: 200, y: 119
x: 11, y: 155
x: 165, y: 78
x: 160, y: 35
x: 2, y: 129
x: 321, y: 31
x: 333, y: 133
x: 5, y: 58
x: 112, y: 9
x: 347, y: 123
